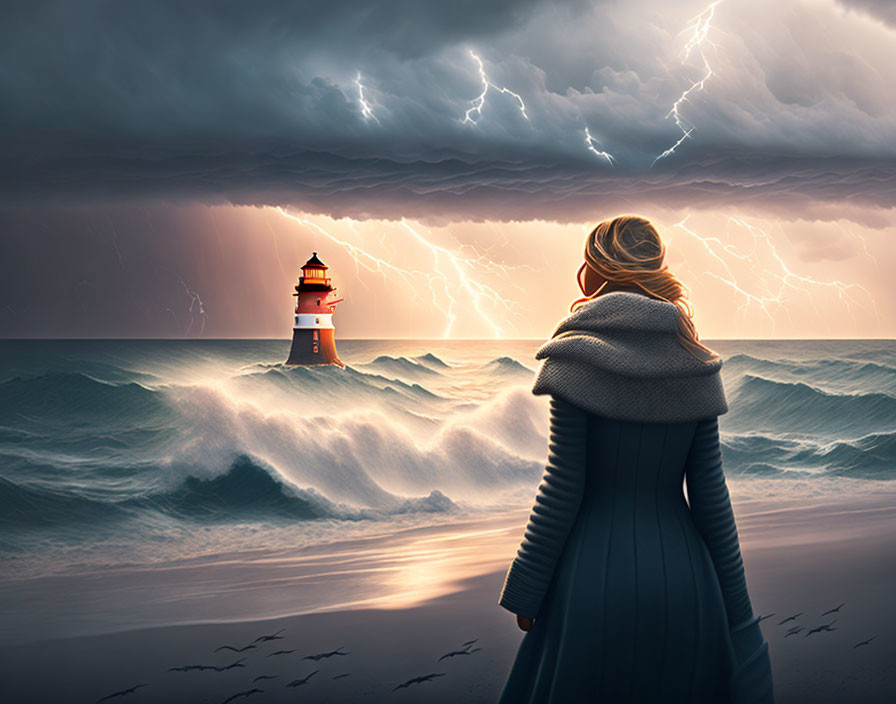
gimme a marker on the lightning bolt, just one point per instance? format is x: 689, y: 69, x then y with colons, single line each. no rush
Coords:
x: 713, y: 247
x: 195, y: 302
x: 366, y: 110
x: 790, y: 279
x: 479, y: 100
x: 851, y: 233
x: 476, y: 291
x: 776, y: 281
x: 174, y: 315
x: 590, y: 142
x: 452, y: 271
x: 701, y: 26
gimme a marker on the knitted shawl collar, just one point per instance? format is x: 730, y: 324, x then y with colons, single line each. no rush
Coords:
x: 619, y: 356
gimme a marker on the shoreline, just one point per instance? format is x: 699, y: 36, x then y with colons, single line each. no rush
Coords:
x: 797, y: 558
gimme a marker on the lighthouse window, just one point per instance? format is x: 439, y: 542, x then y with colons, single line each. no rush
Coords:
x: 318, y: 301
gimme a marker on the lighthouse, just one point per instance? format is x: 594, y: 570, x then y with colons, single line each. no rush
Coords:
x: 313, y: 334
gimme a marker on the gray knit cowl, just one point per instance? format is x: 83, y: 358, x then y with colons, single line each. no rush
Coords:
x: 619, y: 356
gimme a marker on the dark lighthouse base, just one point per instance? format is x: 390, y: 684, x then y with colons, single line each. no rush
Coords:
x: 314, y: 346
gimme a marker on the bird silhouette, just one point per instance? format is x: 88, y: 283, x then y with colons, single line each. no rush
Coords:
x: 822, y: 627
x: 418, y: 680
x: 304, y: 680
x: 321, y: 656
x: 790, y: 618
x: 236, y: 650
x: 762, y: 618
x: 344, y: 674
x: 231, y: 666
x: 188, y: 668
x: 273, y: 636
x: 265, y: 677
x: 793, y: 631
x: 469, y: 642
x: 864, y: 642
x: 247, y: 693
x: 430, y: 676
x: 835, y: 610
x: 463, y: 651
x: 129, y: 690
x: 281, y: 652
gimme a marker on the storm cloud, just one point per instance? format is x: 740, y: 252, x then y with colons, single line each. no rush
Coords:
x: 261, y: 104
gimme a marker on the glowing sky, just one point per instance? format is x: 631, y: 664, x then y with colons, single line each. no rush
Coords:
x: 445, y: 159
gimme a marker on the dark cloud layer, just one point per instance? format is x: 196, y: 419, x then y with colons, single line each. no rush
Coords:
x: 884, y: 10
x: 260, y: 103
x: 455, y: 187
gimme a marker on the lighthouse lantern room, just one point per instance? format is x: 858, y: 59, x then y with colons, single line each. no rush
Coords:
x: 313, y: 334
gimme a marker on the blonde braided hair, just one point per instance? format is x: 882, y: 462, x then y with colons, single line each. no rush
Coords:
x: 628, y: 251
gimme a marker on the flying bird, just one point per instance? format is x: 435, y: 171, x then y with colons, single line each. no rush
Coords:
x: 231, y: 666
x: 304, y: 680
x: 762, y: 618
x: 188, y: 668
x: 793, y: 631
x: 281, y: 652
x: 822, y: 627
x: 265, y: 677
x: 248, y: 693
x: 834, y: 611
x: 344, y: 674
x: 321, y: 656
x: 418, y: 680
x: 129, y: 690
x: 236, y: 650
x: 273, y: 636
x: 463, y: 651
x: 469, y: 642
x: 430, y: 676
x: 790, y: 618
x: 864, y: 642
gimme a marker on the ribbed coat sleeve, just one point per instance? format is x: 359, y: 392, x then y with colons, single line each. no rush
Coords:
x: 556, y: 505
x: 711, y: 510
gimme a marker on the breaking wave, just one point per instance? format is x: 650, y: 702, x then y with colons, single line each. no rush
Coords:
x: 214, y: 436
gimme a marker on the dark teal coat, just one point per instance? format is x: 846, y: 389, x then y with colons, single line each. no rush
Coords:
x: 638, y: 594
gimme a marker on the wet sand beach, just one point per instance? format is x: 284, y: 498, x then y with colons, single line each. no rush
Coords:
x: 806, y: 555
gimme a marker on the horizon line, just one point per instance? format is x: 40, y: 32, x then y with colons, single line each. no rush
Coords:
x: 416, y: 339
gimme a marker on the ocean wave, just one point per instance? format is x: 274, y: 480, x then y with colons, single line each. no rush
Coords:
x: 247, y: 491
x: 75, y: 396
x: 833, y: 374
x: 401, y: 366
x: 433, y: 361
x: 869, y: 457
x: 361, y: 457
x: 253, y: 490
x: 346, y: 384
x: 34, y: 507
x: 795, y: 407
x: 507, y: 366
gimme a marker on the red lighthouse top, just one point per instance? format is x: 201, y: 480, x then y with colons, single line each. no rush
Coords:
x: 314, y: 263
x: 314, y: 291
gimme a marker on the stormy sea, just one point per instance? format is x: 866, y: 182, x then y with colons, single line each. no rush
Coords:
x: 148, y: 484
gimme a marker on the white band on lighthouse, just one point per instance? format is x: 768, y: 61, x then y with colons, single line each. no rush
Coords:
x: 313, y: 320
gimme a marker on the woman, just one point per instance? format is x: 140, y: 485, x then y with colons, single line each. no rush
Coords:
x: 628, y: 592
